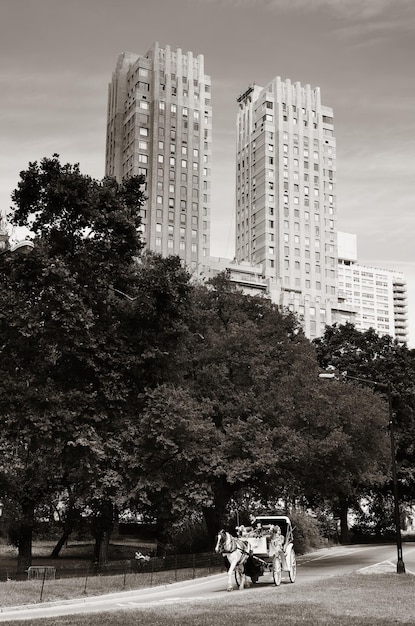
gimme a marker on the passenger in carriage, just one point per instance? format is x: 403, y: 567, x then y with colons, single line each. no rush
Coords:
x: 277, y: 539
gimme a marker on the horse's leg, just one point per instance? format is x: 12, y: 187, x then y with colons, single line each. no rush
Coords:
x: 242, y: 576
x: 231, y: 570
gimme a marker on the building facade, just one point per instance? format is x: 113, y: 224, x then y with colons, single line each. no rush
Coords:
x: 377, y: 296
x: 159, y: 124
x: 286, y: 197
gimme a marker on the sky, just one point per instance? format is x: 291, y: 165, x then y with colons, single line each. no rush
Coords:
x: 57, y: 58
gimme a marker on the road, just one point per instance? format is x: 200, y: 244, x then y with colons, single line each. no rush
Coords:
x: 312, y: 567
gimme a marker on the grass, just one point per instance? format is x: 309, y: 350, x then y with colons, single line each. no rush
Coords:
x: 14, y: 593
x: 354, y: 600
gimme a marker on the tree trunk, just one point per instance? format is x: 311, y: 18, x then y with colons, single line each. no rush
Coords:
x: 213, y: 521
x: 214, y: 516
x: 61, y: 542
x: 344, y: 525
x: 103, y: 529
x: 67, y: 527
x: 25, y: 539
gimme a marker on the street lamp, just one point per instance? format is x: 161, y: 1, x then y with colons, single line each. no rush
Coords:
x: 400, y: 566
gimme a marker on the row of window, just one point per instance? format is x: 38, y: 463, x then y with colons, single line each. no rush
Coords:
x: 182, y: 245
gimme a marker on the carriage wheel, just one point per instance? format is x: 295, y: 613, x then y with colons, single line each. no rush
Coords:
x: 276, y: 570
x: 293, y: 569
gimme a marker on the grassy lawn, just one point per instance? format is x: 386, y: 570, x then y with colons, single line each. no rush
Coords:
x: 14, y: 593
x: 358, y: 599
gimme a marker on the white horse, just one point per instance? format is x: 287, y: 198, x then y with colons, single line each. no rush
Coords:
x: 237, y: 552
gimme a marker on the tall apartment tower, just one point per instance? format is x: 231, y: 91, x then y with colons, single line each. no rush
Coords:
x: 159, y: 124
x: 286, y: 198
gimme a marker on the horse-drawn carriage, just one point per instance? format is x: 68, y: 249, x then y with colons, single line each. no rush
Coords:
x: 266, y: 546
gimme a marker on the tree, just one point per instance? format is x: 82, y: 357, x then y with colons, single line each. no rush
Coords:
x: 62, y: 345
x: 236, y: 361
x: 347, y: 447
x: 379, y: 359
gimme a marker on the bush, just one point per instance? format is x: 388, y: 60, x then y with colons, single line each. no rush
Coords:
x: 306, y: 532
x: 191, y: 537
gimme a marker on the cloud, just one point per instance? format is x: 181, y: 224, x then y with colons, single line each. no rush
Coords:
x: 352, y: 8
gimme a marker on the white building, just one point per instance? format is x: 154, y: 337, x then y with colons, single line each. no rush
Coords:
x: 286, y: 199
x: 378, y: 296
x: 159, y: 124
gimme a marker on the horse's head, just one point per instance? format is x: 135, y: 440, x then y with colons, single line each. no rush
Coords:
x: 220, y: 541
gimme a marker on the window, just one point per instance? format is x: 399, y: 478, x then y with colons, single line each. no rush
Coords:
x: 142, y: 145
x: 143, y: 158
x: 143, y: 132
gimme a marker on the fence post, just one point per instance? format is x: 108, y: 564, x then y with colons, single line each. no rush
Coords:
x: 86, y: 578
x: 175, y: 568
x: 125, y: 575
x: 152, y: 570
x: 43, y: 584
x: 193, y: 565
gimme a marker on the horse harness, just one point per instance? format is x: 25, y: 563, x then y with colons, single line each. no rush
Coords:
x: 237, y: 544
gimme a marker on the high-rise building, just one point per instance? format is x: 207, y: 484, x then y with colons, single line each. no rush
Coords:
x: 159, y: 124
x: 378, y: 296
x: 286, y: 198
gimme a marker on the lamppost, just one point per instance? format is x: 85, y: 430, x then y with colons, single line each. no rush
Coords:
x: 400, y: 566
